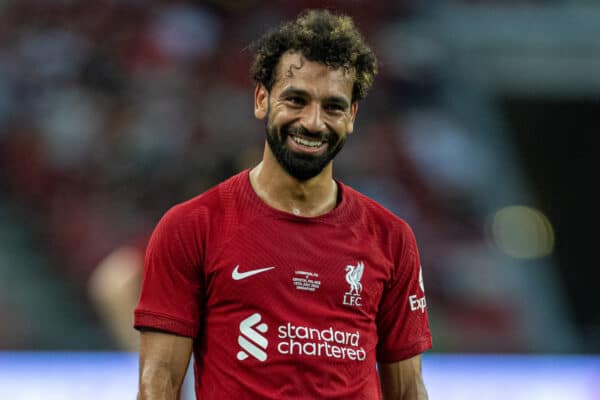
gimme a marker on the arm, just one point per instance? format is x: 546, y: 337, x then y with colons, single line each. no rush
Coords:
x: 164, y: 359
x: 402, y: 380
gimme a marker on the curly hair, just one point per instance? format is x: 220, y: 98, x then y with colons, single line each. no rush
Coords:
x: 322, y: 37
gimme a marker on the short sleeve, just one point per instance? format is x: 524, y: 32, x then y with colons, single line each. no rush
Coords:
x: 402, y: 321
x: 172, y: 286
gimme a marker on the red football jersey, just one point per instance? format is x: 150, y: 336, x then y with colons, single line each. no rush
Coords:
x: 282, y: 306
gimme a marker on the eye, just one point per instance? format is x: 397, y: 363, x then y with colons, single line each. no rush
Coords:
x: 295, y: 100
x: 334, y: 107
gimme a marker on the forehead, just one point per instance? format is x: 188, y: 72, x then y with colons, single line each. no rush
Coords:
x: 295, y: 70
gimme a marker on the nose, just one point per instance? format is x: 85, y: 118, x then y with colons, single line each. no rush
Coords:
x: 312, y: 120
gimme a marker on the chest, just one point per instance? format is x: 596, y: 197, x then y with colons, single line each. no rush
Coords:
x: 298, y: 271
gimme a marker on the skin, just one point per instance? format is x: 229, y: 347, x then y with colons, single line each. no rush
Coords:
x: 164, y: 359
x: 402, y: 380
x: 318, y: 98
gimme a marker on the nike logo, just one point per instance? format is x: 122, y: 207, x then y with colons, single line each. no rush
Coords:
x: 236, y: 275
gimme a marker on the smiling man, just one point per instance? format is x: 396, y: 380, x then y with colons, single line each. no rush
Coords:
x: 304, y: 149
x: 284, y: 282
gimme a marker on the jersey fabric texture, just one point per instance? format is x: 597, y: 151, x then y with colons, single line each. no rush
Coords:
x: 282, y: 306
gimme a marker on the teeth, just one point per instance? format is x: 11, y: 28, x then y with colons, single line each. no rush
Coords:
x: 305, y: 142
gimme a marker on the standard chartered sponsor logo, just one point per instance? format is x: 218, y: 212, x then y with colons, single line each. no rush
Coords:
x: 306, y: 341
x: 298, y: 341
x: 250, y: 340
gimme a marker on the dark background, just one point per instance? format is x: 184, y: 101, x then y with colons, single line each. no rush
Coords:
x: 556, y: 146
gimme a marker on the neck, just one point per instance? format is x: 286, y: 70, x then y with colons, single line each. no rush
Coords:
x: 280, y: 190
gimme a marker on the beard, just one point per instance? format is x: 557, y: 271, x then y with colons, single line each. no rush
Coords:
x: 300, y: 165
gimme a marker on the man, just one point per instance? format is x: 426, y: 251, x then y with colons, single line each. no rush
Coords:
x: 285, y: 283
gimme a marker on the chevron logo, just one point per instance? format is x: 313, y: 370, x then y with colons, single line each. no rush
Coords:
x: 250, y: 340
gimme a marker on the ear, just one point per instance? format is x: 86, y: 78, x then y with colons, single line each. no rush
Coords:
x: 351, y: 117
x: 261, y: 101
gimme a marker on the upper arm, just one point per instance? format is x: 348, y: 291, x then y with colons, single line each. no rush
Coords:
x: 402, y: 318
x: 164, y: 359
x: 172, y: 285
x: 402, y: 380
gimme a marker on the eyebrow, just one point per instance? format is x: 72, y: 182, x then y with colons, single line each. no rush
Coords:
x: 294, y: 91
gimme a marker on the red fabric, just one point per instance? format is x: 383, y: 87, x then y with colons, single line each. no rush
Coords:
x: 188, y: 289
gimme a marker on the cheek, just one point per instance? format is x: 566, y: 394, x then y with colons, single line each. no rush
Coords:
x: 277, y: 121
x: 341, y: 126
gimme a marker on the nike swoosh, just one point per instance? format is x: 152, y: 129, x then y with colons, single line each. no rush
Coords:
x: 236, y: 275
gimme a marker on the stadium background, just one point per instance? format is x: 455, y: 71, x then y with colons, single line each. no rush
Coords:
x: 478, y: 132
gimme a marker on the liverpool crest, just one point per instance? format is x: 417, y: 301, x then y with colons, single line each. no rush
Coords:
x: 353, y: 276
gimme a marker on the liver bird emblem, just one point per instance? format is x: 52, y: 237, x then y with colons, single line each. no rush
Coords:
x: 353, y: 277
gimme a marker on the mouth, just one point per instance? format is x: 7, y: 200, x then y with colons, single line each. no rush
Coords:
x: 304, y: 144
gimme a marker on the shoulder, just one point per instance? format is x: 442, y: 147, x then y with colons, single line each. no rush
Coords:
x: 212, y: 201
x: 386, y: 231
x: 203, y: 208
x: 374, y: 213
x: 185, y: 228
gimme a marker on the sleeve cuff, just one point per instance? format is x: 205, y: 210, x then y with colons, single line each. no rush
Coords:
x: 389, y: 356
x: 146, y: 319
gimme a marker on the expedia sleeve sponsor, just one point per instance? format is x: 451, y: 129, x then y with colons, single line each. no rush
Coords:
x: 417, y: 303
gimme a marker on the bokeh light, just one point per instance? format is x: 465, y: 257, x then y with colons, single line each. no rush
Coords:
x: 522, y: 232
